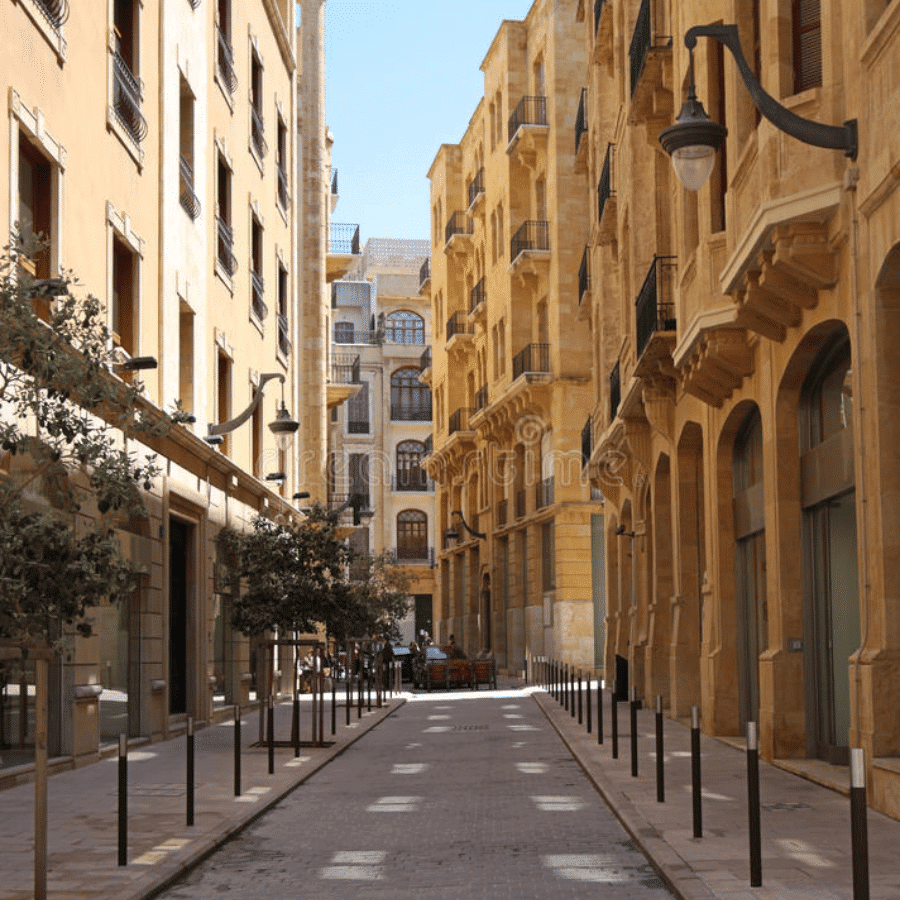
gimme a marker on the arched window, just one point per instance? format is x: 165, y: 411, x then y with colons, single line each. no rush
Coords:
x: 343, y: 332
x: 412, y: 535
x: 410, y: 476
x: 404, y: 327
x: 410, y: 399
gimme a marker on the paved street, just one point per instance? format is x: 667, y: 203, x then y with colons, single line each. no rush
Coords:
x: 456, y: 795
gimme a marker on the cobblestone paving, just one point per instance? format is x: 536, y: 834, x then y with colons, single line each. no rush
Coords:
x: 455, y: 796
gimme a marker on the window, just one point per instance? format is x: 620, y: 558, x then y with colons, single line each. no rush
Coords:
x: 343, y: 332
x: 186, y: 356
x: 127, y: 97
x: 359, y: 478
x: 410, y: 475
x: 410, y: 399
x: 358, y: 411
x: 223, y: 396
x: 257, y: 139
x: 225, y: 234
x: 256, y: 438
x: 257, y: 285
x: 405, y: 328
x: 35, y: 208
x: 807, y: 30
x: 188, y: 196
x: 281, y: 164
x: 124, y: 297
x: 225, y: 74
x: 412, y: 535
x: 284, y: 340
x: 548, y: 557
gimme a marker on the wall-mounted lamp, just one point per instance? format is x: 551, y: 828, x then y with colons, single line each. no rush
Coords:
x: 279, y: 477
x: 284, y: 427
x: 693, y: 140
x: 301, y: 495
x: 451, y: 534
x: 137, y: 363
x: 621, y: 532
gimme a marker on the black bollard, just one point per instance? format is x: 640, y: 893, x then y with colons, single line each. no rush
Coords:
x: 600, y: 685
x: 369, y: 690
x: 660, y: 768
x: 859, y: 829
x: 237, y: 750
x: 580, y: 701
x: 566, y: 687
x: 190, y: 771
x: 614, y: 709
x: 587, y: 701
x: 123, y: 800
x: 753, y: 805
x: 295, y: 725
x: 348, y: 700
x: 333, y: 704
x: 695, y: 772
x: 634, y: 732
x: 270, y: 735
x: 572, y: 689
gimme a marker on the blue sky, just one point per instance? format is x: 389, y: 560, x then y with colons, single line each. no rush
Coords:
x: 402, y: 77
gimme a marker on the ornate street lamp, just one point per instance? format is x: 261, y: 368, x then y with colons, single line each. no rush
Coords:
x: 451, y: 534
x: 694, y: 138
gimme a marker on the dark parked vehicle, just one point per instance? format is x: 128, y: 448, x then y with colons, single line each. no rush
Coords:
x: 425, y: 658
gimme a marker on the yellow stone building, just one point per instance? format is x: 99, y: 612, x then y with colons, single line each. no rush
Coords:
x: 159, y: 148
x: 742, y: 427
x: 511, y: 366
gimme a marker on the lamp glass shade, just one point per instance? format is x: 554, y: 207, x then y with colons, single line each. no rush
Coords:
x: 694, y: 164
x: 284, y: 428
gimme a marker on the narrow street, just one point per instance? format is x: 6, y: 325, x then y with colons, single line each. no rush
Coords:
x: 454, y: 796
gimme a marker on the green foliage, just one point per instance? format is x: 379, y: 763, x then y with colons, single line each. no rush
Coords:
x: 296, y: 577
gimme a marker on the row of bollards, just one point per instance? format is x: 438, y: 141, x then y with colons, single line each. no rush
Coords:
x: 559, y: 680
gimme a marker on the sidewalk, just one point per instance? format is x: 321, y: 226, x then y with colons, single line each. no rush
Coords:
x: 83, y: 806
x: 805, y: 827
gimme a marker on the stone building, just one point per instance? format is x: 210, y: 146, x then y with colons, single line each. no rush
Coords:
x: 742, y: 414
x: 159, y: 150
x: 380, y: 329
x: 518, y: 568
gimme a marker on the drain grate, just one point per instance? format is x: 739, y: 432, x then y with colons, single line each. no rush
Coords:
x: 791, y: 807
x: 471, y: 727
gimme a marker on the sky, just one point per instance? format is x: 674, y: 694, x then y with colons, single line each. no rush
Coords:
x: 402, y: 77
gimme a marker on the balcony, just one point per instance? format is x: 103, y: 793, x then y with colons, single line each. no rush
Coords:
x: 531, y: 236
x: 414, y: 552
x: 127, y: 100
x: 598, y: 12
x: 357, y: 426
x: 412, y: 480
x: 581, y: 124
x: 334, y: 182
x: 425, y: 275
x: 345, y: 369
x: 640, y: 44
x: 350, y: 335
x: 258, y: 305
x: 406, y: 412
x: 476, y: 189
x: 56, y: 12
x: 544, y: 493
x: 649, y: 96
x: 481, y: 398
x: 502, y: 512
x: 343, y: 246
x: 477, y: 296
x: 225, y: 246
x: 458, y: 324
x: 459, y: 420
x: 584, y: 275
x: 529, y: 111
x: 533, y: 358
x: 188, y: 199
x: 615, y: 391
x: 425, y: 360
x: 521, y: 503
x: 606, y: 199
x: 283, y: 196
x: 458, y: 225
x: 284, y: 342
x: 225, y: 62
x: 654, y: 309
x: 257, y: 131
x: 587, y: 442
x: 429, y: 445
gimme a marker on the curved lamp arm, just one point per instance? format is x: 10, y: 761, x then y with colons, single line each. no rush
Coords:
x: 833, y: 137
x: 237, y: 421
x: 476, y: 534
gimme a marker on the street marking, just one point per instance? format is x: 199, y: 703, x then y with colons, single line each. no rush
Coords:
x: 408, y: 768
x: 552, y: 803
x: 523, y: 727
x: 511, y: 706
x: 518, y: 745
x: 298, y: 761
x: 588, y: 867
x: 512, y: 716
x: 359, y: 865
x: 412, y: 746
x: 437, y: 718
x: 395, y: 804
x: 437, y: 729
x: 532, y: 768
x: 158, y: 853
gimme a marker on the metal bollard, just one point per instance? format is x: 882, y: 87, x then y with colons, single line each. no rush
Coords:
x: 566, y: 687
x: 123, y: 800
x: 753, y: 805
x: 295, y: 725
x: 695, y: 772
x: 190, y: 771
x: 333, y: 704
x: 270, y: 735
x: 580, y: 701
x: 634, y: 732
x: 660, y: 768
x: 859, y: 828
x: 348, y: 703
x: 572, y: 688
x: 600, y: 686
x: 614, y: 709
x: 237, y: 750
x: 588, y: 702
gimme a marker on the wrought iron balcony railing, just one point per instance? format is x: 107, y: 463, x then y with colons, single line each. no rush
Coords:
x: 598, y: 11
x: 459, y: 420
x: 481, y: 398
x: 127, y: 99
x: 581, y: 119
x: 334, y: 182
x: 56, y: 12
x: 414, y: 552
x: 544, y: 493
x: 345, y: 369
x: 357, y: 426
x: 615, y: 391
x: 344, y: 239
x: 476, y: 186
x: 413, y: 479
x: 604, y: 188
x: 189, y: 200
x: 533, y: 358
x: 655, y: 305
x: 502, y: 512
x: 458, y: 324
x: 411, y: 412
x: 424, y: 272
x: 521, y: 501
x: 458, y: 223
x: 640, y: 44
x: 477, y: 295
x: 257, y: 286
x: 587, y: 442
x: 284, y: 197
x: 284, y: 341
x: 225, y: 61
x: 225, y: 246
x: 530, y: 236
x: 425, y: 360
x: 584, y: 274
x: 257, y: 132
x: 528, y: 111
x: 429, y: 445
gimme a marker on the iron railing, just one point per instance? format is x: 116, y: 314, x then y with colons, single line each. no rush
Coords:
x: 477, y: 295
x: 458, y: 223
x: 413, y: 479
x: 654, y: 309
x: 429, y: 445
x: 598, y: 11
x: 481, y: 398
x: 284, y: 197
x: 615, y: 391
x: 581, y: 119
x: 544, y: 493
x: 587, y: 442
x: 345, y: 369
x: 530, y: 236
x: 344, y: 239
x: 424, y: 272
x: 257, y: 286
x: 334, y: 182
x: 502, y: 512
x: 127, y: 99
x: 457, y: 324
x: 604, y: 188
x: 189, y: 200
x: 225, y: 61
x: 521, y: 503
x: 584, y: 274
x: 414, y: 551
x: 357, y: 426
x: 284, y: 342
x: 476, y: 186
x: 225, y: 246
x: 640, y: 44
x: 257, y: 132
x: 528, y: 111
x: 353, y: 335
x: 56, y: 12
x: 425, y: 360
x: 459, y: 420
x: 533, y: 358
x: 411, y: 412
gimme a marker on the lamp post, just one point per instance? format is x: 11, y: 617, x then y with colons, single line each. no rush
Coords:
x: 694, y: 138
